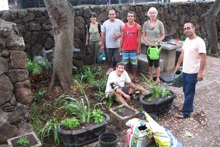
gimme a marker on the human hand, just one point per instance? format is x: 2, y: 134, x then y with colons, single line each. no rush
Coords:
x: 199, y: 76
x: 127, y: 97
x: 115, y: 36
x: 102, y: 47
x: 155, y: 44
x: 86, y: 44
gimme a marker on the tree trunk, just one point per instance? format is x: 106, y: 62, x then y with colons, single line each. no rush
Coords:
x: 210, y: 25
x: 62, y: 19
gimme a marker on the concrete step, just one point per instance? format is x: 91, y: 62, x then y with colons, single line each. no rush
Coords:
x: 143, y: 64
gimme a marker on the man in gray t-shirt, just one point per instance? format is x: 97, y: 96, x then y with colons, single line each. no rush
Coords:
x: 111, y: 33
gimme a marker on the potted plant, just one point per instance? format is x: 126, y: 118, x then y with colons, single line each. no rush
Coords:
x: 87, y: 124
x: 26, y: 140
x: 121, y: 114
x: 158, y: 100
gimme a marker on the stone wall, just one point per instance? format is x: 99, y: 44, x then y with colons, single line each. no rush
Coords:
x: 36, y: 28
x: 15, y: 88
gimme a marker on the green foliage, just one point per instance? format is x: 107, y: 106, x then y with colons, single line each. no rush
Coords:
x: 97, y: 115
x: 33, y: 67
x: 156, y: 90
x: 121, y: 110
x: 87, y: 72
x: 182, y: 37
x: 110, y: 101
x: 22, y: 141
x: 76, y: 107
x: 100, y: 95
x: 39, y: 95
x: 49, y: 129
x: 70, y: 123
x: 98, y: 84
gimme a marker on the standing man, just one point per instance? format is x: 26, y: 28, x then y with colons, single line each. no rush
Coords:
x: 111, y: 33
x: 130, y: 43
x: 193, y: 57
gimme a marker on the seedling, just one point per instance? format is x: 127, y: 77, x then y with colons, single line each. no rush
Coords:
x: 70, y: 123
x: 97, y: 115
x: 22, y: 141
x: 121, y: 110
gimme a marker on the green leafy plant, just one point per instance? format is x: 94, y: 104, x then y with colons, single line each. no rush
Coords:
x: 97, y: 115
x: 76, y: 107
x: 22, y: 141
x: 110, y: 101
x: 50, y: 129
x: 70, y: 123
x: 157, y: 91
x: 121, y: 110
x: 33, y: 67
x: 39, y: 95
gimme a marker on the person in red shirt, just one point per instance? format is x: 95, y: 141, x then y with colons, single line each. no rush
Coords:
x: 131, y: 43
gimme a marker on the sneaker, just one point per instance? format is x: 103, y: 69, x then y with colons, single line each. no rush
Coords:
x: 109, y: 71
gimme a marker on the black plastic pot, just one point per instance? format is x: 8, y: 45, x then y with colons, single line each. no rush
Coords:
x: 159, y: 106
x: 108, y: 140
x: 77, y: 138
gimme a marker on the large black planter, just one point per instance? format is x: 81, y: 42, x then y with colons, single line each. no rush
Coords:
x: 159, y: 106
x: 77, y: 138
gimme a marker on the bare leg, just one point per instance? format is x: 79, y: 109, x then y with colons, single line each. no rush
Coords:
x: 134, y: 69
x: 151, y: 72
x: 158, y: 74
x: 110, y: 64
x: 120, y: 98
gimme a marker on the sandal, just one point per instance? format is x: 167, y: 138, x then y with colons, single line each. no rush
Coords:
x: 135, y: 80
x: 180, y: 115
x: 156, y: 82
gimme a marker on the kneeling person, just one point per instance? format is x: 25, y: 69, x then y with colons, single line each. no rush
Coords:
x: 116, y: 84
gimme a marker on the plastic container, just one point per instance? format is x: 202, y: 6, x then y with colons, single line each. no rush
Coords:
x: 177, y: 78
x: 108, y: 140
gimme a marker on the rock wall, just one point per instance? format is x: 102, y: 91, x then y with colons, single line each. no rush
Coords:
x: 15, y: 89
x: 36, y: 29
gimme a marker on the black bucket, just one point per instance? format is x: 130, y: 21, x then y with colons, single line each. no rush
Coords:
x: 108, y: 140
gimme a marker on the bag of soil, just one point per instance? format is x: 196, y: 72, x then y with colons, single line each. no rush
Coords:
x: 139, y: 134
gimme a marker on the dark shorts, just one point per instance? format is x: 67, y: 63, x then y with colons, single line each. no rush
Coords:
x: 125, y: 90
x: 113, y: 54
x: 156, y: 63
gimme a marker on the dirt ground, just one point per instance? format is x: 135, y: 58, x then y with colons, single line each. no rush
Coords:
x: 204, y: 123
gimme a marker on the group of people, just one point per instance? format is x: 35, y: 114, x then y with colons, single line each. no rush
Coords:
x: 124, y: 39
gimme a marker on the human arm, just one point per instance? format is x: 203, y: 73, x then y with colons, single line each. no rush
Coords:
x: 145, y: 39
x: 126, y: 96
x: 122, y: 39
x: 160, y: 39
x: 102, y: 40
x: 202, y: 66
x: 180, y: 60
x: 87, y: 37
x: 139, y: 39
